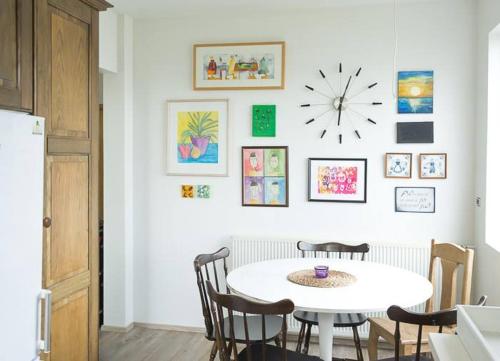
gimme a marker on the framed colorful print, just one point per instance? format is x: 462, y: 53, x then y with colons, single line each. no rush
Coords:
x: 197, y: 135
x: 243, y: 66
x: 265, y: 176
x: 415, y: 92
x: 415, y: 199
x: 337, y: 180
x: 187, y: 191
x: 433, y: 166
x: 264, y: 121
x: 398, y: 165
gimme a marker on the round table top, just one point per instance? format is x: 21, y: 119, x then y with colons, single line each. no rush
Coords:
x: 377, y: 288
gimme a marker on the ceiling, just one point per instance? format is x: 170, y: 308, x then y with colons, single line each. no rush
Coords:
x: 182, y: 8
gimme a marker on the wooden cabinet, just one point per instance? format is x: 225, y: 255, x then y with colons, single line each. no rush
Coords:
x: 66, y: 95
x: 16, y: 57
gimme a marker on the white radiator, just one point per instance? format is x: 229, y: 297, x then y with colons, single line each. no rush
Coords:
x: 413, y: 258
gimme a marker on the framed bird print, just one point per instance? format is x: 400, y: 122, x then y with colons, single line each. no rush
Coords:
x: 398, y: 165
x: 239, y: 66
x: 265, y: 176
x: 337, y: 180
x: 433, y: 166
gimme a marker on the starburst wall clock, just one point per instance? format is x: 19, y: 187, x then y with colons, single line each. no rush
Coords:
x: 343, y: 104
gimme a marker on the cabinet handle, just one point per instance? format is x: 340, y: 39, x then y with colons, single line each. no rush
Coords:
x: 44, y: 344
x: 47, y: 222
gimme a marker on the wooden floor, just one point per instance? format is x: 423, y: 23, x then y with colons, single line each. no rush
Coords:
x: 143, y: 344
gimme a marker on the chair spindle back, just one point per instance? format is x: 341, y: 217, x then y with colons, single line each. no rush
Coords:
x: 334, y: 248
x: 207, y: 268
x: 220, y: 302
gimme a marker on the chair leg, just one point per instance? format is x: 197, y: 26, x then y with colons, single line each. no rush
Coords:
x: 308, y: 338
x: 300, y: 339
x: 277, y: 341
x: 357, y: 344
x: 213, y: 352
x: 373, y: 344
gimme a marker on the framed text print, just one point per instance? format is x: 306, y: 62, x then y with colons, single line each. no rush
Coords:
x: 265, y: 176
x: 197, y: 134
x: 337, y: 180
x: 416, y: 199
x: 235, y: 66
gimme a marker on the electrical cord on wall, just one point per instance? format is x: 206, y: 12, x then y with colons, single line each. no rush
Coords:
x: 395, y: 55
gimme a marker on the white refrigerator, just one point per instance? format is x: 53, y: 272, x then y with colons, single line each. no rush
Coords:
x: 21, y: 213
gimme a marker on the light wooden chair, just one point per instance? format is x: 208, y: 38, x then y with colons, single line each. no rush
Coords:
x: 451, y: 257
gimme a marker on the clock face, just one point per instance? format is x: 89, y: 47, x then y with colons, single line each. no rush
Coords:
x: 342, y: 104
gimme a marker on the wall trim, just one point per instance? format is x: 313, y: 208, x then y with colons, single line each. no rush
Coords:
x: 341, y: 340
x: 118, y: 329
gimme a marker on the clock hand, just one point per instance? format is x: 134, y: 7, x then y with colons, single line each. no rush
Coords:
x: 346, y: 88
x: 342, y: 99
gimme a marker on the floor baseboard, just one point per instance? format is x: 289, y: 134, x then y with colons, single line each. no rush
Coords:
x: 292, y: 336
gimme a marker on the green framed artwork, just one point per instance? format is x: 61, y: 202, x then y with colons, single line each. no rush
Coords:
x: 264, y: 121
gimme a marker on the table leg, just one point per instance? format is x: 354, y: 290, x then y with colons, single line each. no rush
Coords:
x: 325, y: 335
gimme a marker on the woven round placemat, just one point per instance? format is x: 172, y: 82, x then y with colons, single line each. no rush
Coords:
x: 335, y: 279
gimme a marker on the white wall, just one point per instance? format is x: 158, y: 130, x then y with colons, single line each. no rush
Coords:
x: 487, y: 259
x: 108, y: 41
x: 170, y: 231
x: 118, y: 181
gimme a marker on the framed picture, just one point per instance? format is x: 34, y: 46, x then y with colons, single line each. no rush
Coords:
x: 433, y: 166
x: 398, y: 165
x: 415, y: 92
x: 242, y: 66
x: 337, y: 180
x: 264, y: 121
x: 265, y: 176
x: 196, y: 137
x: 416, y: 199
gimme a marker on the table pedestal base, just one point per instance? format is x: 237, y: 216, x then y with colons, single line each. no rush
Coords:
x: 325, y: 335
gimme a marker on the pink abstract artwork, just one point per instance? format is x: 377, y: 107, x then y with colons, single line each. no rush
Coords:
x: 337, y: 180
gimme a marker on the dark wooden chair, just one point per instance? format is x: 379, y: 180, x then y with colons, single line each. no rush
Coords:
x: 213, y: 267
x: 342, y: 320
x: 226, y: 328
x: 435, y: 321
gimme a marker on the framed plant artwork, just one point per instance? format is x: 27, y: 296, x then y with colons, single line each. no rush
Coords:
x: 196, y: 137
x: 233, y: 66
x: 337, y: 180
x: 265, y: 176
x: 398, y: 165
x: 433, y: 166
x: 415, y: 199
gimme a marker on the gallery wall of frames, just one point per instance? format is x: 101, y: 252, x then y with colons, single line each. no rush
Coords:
x: 226, y: 120
x: 197, y: 130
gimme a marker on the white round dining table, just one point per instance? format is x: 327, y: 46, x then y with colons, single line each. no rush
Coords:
x: 377, y: 287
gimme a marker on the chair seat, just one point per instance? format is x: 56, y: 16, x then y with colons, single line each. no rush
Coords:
x: 273, y: 353
x: 273, y: 328
x: 340, y: 319
x: 407, y: 358
x: 409, y: 333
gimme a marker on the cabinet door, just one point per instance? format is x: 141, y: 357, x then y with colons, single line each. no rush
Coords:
x: 66, y: 95
x: 16, y: 57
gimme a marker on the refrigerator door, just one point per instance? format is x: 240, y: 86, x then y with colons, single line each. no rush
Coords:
x: 21, y: 212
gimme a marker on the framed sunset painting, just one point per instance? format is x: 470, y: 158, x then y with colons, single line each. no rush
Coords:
x: 415, y: 92
x: 197, y: 134
x: 242, y: 66
x: 337, y: 180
